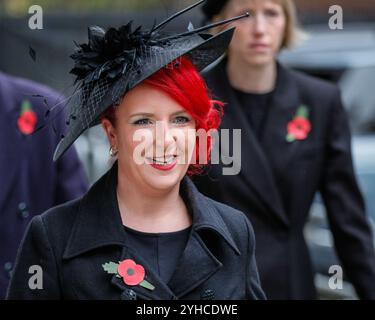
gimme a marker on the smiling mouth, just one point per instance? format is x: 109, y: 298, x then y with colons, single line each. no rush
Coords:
x: 164, y: 161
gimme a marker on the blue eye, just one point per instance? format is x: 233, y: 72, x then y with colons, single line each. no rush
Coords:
x: 142, y: 122
x: 181, y: 120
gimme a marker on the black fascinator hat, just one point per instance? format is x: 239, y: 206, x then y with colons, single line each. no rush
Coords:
x: 115, y: 60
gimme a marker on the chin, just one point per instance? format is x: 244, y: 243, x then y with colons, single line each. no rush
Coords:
x: 260, y: 60
x: 160, y: 180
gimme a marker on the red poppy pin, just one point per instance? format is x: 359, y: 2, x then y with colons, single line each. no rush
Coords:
x: 300, y: 127
x: 133, y: 274
x: 27, y: 119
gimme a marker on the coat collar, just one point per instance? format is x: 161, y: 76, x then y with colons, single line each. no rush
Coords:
x: 256, y: 169
x: 98, y: 221
x: 98, y: 224
x: 288, y: 96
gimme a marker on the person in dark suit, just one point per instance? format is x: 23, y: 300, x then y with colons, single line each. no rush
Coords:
x: 143, y: 231
x: 30, y: 182
x: 295, y: 142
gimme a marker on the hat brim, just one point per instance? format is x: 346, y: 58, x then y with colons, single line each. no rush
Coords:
x: 202, y: 50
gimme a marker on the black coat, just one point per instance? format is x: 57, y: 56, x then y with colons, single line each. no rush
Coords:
x: 30, y: 181
x: 72, y: 241
x: 278, y: 181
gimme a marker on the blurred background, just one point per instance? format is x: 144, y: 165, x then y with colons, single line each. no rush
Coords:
x: 345, y: 57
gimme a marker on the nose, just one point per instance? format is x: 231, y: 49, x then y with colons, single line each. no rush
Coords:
x: 164, y: 138
x: 169, y: 138
x: 259, y: 26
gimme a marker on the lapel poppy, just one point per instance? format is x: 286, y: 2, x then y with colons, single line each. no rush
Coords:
x: 27, y: 119
x: 300, y: 127
x: 132, y: 274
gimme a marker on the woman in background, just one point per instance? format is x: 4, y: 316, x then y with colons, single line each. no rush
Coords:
x: 295, y: 142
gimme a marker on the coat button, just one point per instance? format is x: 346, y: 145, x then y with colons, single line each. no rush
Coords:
x: 208, y: 295
x: 24, y: 213
x: 22, y: 206
x: 8, y: 266
x: 129, y: 294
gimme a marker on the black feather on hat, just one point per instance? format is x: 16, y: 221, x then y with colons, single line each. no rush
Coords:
x: 116, y: 60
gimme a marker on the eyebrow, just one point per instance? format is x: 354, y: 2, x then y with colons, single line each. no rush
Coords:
x: 145, y: 114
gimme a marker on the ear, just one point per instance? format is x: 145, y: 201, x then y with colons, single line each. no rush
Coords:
x: 110, y: 131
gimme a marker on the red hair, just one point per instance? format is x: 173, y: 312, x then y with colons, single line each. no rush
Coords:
x: 183, y: 83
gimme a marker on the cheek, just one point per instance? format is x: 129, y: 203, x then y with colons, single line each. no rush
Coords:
x: 191, y: 139
x: 185, y: 142
x: 130, y: 138
x: 241, y: 35
x: 279, y: 31
x: 141, y: 144
x: 125, y: 139
x: 191, y: 145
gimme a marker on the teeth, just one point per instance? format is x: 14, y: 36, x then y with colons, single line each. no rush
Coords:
x: 167, y: 161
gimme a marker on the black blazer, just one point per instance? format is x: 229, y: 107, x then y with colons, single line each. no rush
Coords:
x: 278, y: 181
x: 72, y: 241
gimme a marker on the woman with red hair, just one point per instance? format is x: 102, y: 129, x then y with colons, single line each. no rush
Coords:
x: 143, y: 231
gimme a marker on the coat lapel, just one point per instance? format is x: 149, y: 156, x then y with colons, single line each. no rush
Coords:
x: 255, y: 167
x: 196, y: 265
x: 161, y: 290
x: 98, y: 224
x: 197, y: 262
x: 284, y: 105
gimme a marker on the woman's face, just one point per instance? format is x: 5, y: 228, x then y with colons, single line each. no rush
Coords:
x: 154, y: 137
x: 257, y: 39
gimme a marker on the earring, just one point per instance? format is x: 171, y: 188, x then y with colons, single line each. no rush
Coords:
x: 112, y: 152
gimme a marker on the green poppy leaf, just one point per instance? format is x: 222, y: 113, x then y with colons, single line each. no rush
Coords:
x: 290, y: 138
x: 26, y: 106
x: 303, y: 112
x: 147, y: 285
x: 110, y: 267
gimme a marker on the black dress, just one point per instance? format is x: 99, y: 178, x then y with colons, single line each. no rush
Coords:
x: 161, y: 251
x: 256, y: 107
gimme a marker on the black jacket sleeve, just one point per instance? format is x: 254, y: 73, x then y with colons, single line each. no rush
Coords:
x: 35, y: 275
x: 345, y: 206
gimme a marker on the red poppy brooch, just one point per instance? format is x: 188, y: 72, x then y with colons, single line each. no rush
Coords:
x: 133, y: 274
x: 27, y: 119
x: 300, y: 127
